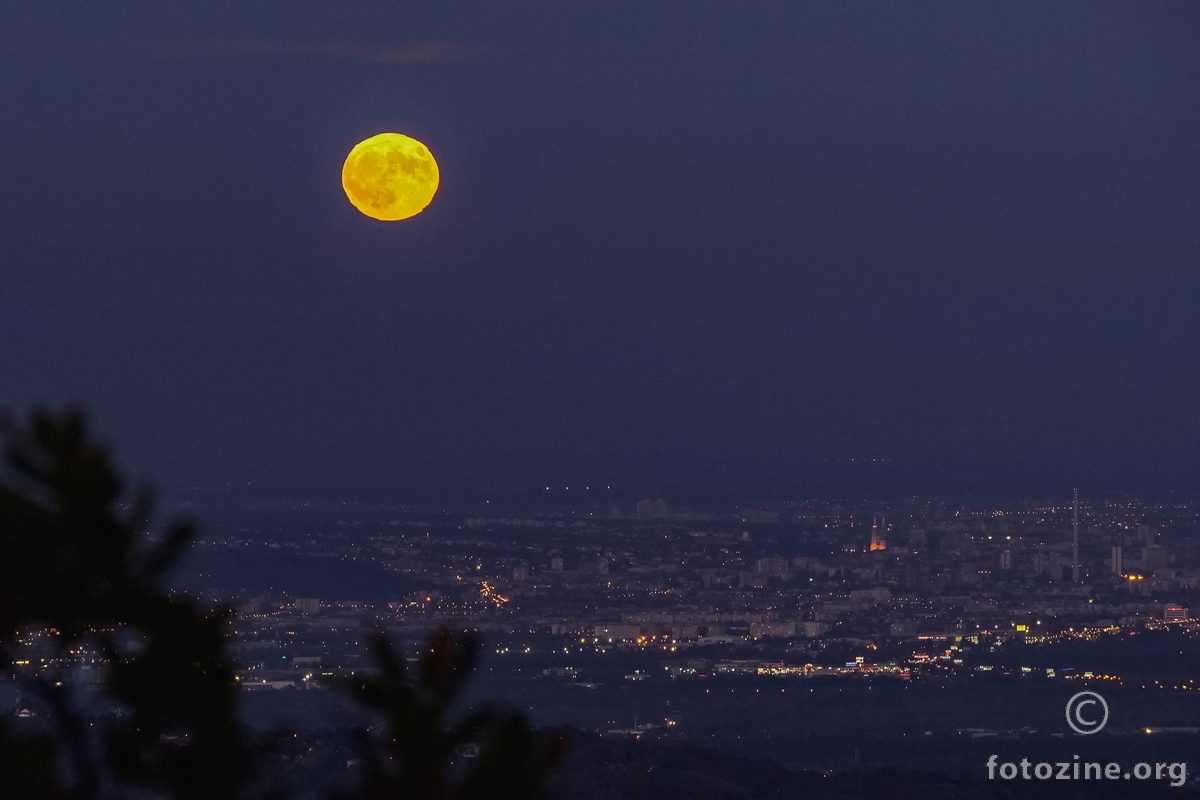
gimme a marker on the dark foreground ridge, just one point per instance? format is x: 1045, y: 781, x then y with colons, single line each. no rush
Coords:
x: 606, y: 769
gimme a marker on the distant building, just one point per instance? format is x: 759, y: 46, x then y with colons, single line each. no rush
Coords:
x: 307, y: 605
x: 758, y: 630
x: 1006, y: 559
x: 811, y: 628
x: 1176, y: 614
x: 651, y: 509
x: 617, y: 633
x: 1155, y: 557
x: 1118, y: 561
x: 774, y: 567
x: 878, y: 533
x: 1048, y: 564
x: 870, y: 597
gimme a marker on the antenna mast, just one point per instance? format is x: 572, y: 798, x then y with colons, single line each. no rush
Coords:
x: 1075, y: 537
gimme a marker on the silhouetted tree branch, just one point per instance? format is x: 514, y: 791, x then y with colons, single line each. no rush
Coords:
x: 76, y: 561
x: 424, y: 753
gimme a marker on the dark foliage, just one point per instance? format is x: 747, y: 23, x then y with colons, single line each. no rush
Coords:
x: 79, y: 561
x: 489, y: 753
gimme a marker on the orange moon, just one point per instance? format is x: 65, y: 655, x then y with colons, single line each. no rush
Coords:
x: 390, y: 176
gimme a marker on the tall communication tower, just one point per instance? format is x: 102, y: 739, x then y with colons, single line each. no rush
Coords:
x: 1075, y: 537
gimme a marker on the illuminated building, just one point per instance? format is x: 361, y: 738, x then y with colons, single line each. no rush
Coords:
x: 878, y: 533
x: 1176, y: 614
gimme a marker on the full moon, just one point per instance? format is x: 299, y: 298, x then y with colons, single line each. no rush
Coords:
x: 390, y: 176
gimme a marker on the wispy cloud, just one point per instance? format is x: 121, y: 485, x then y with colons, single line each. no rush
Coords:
x: 420, y: 52
x: 425, y: 51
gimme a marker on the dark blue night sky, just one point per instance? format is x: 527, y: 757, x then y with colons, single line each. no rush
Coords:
x: 670, y: 237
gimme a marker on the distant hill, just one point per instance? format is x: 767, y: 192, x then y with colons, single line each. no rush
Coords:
x: 260, y: 570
